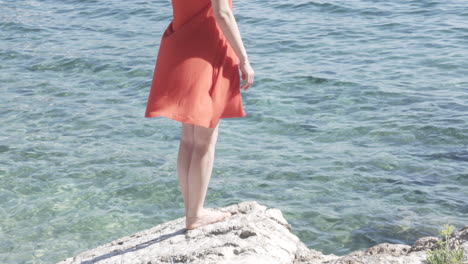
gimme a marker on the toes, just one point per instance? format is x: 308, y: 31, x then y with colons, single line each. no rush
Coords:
x: 211, y: 217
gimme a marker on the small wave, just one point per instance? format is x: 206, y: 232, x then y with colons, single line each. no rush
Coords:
x: 456, y: 155
x: 67, y: 64
x: 321, y: 80
x: 20, y: 27
x: 320, y: 7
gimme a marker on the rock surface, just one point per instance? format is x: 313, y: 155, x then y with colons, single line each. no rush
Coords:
x: 253, y: 234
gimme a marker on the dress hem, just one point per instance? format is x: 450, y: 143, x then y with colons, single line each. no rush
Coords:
x: 185, y: 119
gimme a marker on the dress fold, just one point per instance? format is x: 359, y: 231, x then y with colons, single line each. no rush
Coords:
x: 196, y: 77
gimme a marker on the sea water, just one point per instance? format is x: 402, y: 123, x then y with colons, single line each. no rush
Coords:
x: 356, y: 126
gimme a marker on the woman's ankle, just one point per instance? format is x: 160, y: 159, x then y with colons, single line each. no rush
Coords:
x: 197, y: 214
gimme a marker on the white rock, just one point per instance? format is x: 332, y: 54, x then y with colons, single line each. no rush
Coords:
x: 254, y: 234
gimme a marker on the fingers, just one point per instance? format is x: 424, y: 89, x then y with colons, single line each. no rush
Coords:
x: 247, y: 75
x: 247, y: 83
x: 244, y: 86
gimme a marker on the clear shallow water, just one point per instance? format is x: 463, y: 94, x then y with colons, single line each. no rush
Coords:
x: 356, y: 125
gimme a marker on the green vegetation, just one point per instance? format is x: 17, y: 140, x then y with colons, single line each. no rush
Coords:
x: 443, y: 254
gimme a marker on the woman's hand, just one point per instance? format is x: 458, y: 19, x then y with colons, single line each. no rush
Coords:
x: 247, y: 74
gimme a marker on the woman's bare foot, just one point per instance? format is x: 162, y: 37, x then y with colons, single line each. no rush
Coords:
x: 207, y: 216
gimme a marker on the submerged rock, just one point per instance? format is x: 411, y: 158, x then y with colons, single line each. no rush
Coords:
x: 253, y: 234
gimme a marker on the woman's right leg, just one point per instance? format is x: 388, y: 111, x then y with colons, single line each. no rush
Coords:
x: 201, y: 167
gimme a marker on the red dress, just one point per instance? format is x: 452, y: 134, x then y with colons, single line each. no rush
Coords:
x: 196, y: 78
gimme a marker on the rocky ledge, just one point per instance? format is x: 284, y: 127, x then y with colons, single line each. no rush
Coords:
x: 253, y: 234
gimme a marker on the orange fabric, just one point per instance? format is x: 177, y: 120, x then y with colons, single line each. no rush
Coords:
x: 196, y: 78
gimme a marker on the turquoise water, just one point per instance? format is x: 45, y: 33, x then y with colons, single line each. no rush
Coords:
x: 356, y: 124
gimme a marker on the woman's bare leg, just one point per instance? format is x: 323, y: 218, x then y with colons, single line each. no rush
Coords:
x: 183, y: 160
x: 201, y: 167
x: 200, y: 170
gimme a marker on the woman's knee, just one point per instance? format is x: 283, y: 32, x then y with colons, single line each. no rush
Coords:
x: 187, y: 137
x: 205, y: 137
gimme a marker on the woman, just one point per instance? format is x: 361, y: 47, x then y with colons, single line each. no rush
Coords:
x: 196, y: 81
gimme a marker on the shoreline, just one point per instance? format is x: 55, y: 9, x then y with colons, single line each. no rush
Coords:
x: 253, y: 234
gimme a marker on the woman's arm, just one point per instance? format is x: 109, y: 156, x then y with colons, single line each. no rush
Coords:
x: 226, y: 21
x: 228, y: 24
